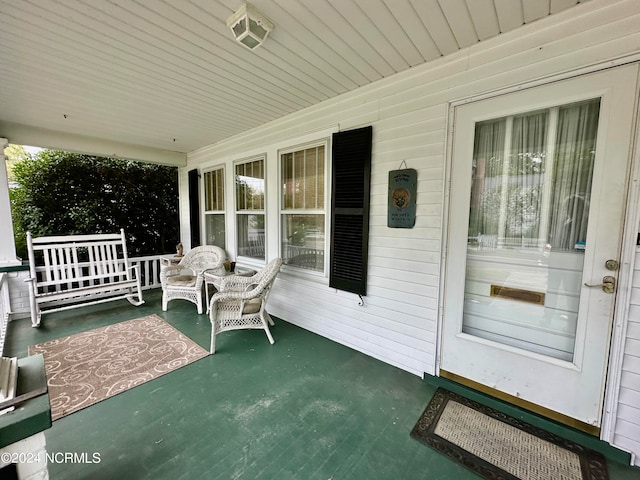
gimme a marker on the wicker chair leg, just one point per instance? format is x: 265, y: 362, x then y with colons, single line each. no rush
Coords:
x: 212, y: 318
x: 268, y: 332
x: 164, y: 301
x: 268, y: 318
x: 212, y: 349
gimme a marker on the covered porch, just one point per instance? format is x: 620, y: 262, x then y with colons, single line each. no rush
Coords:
x: 305, y: 407
x: 216, y: 110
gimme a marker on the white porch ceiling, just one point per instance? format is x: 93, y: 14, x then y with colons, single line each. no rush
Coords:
x: 167, y: 74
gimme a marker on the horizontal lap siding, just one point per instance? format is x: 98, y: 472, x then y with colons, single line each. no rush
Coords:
x: 398, y: 338
x: 627, y: 428
x: 397, y: 323
x: 409, y: 114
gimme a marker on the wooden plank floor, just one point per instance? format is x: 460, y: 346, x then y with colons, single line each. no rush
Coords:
x: 303, y: 408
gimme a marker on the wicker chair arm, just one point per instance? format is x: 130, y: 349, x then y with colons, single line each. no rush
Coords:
x: 170, y: 271
x: 233, y: 295
x: 237, y: 283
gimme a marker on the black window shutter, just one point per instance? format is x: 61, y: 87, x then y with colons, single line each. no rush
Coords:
x: 351, y: 172
x: 194, y: 207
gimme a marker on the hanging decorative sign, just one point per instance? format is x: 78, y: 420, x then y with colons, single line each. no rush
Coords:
x: 402, y: 198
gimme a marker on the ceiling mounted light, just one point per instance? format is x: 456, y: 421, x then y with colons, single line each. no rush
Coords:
x: 249, y: 26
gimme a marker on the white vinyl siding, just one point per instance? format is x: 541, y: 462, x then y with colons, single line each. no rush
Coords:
x: 398, y: 322
x: 627, y: 426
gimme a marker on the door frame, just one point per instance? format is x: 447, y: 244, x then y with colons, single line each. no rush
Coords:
x: 630, y: 235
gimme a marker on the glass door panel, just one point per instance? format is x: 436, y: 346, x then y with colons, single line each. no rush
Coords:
x: 528, y: 216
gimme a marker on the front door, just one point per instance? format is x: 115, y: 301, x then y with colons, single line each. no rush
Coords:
x: 537, y: 204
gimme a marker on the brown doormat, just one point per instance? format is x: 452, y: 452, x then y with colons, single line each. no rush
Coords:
x: 498, y: 446
x: 86, y: 368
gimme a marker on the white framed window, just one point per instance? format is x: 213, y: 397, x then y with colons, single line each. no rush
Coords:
x: 250, y: 201
x: 303, y: 173
x: 214, y: 210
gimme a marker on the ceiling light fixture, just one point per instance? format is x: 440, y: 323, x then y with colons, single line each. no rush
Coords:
x: 249, y: 26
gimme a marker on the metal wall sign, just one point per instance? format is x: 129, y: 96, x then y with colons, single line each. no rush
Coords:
x: 402, y: 198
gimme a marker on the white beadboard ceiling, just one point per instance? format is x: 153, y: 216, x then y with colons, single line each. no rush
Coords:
x: 167, y: 74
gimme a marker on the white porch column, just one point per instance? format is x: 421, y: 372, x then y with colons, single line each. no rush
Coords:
x: 7, y: 242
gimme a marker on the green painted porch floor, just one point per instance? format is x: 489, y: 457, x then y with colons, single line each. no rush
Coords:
x: 303, y: 408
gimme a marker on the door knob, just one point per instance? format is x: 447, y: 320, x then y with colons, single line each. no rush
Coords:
x: 608, y: 284
x: 612, y: 265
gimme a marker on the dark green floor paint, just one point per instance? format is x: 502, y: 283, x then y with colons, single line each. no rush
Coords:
x: 303, y: 408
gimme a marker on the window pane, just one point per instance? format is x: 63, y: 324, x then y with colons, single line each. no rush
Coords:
x: 313, y: 189
x: 507, y: 179
x: 572, y: 173
x: 215, y: 229
x: 303, y: 236
x: 288, y: 182
x: 319, y: 177
x: 303, y: 241
x: 298, y: 169
x: 214, y: 190
x: 303, y: 179
x: 531, y: 183
x: 250, y: 185
x: 251, y: 236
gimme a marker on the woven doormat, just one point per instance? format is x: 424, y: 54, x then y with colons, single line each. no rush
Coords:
x: 498, y: 446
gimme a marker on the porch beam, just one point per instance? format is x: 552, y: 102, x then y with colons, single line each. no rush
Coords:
x: 19, y: 134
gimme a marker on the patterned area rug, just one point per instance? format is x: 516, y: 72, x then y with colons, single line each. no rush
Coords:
x: 498, y: 446
x: 86, y: 368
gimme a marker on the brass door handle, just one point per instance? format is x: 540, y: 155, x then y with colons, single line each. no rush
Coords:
x: 608, y: 284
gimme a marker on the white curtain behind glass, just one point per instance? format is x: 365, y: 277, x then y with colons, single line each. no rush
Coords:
x: 572, y: 175
x: 512, y: 156
x: 487, y: 170
x: 525, y: 178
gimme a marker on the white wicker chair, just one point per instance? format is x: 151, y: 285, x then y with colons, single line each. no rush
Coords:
x: 185, y: 279
x: 241, y: 303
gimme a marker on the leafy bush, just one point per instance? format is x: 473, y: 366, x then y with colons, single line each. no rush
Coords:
x: 62, y: 193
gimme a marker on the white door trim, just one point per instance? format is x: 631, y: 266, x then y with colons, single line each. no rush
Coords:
x: 630, y: 234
